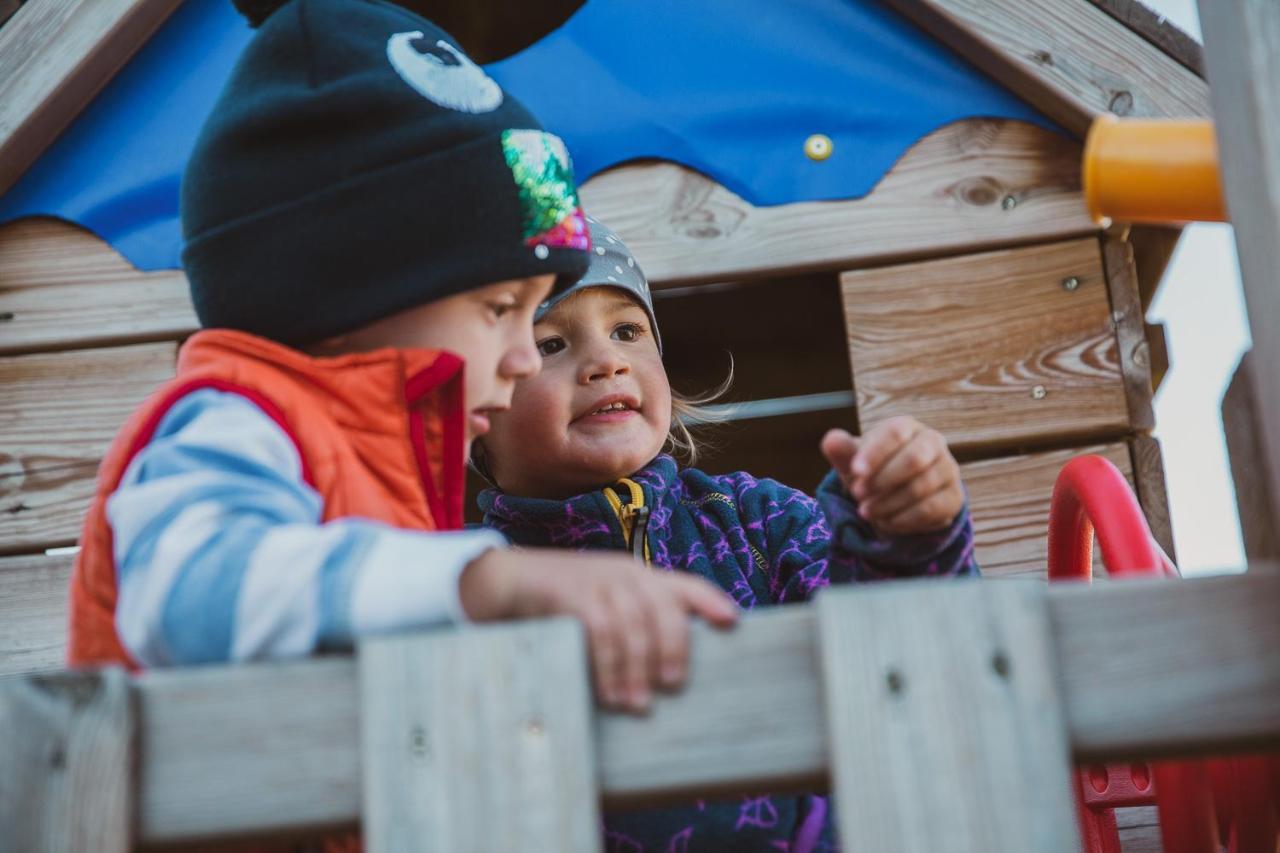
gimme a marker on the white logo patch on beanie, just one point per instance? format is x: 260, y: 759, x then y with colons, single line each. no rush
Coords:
x: 462, y: 86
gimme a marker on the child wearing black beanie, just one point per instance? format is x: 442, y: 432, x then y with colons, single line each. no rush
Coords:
x: 370, y: 224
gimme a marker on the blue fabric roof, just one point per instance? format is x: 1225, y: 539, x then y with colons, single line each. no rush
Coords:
x: 732, y: 88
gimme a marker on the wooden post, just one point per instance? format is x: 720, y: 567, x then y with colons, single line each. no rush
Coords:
x: 1242, y: 52
x: 945, y: 724
x: 67, y: 775
x: 479, y: 740
x: 1255, y: 501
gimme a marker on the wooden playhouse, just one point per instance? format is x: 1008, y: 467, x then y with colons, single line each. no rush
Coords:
x: 969, y: 288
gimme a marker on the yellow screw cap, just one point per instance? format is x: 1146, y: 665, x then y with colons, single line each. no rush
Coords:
x: 818, y: 147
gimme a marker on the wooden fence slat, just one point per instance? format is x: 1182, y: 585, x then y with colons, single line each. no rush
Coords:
x: 968, y: 186
x: 1001, y: 349
x: 1242, y: 52
x: 67, y: 774
x: 55, y: 55
x: 1009, y: 502
x: 33, y: 613
x: 479, y: 740
x: 1146, y: 668
x: 62, y: 287
x: 1067, y: 57
x: 944, y: 719
x: 59, y: 412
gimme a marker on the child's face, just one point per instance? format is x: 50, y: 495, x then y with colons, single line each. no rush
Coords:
x: 490, y: 327
x: 597, y: 351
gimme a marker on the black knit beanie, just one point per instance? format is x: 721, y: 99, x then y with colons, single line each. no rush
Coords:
x: 357, y: 164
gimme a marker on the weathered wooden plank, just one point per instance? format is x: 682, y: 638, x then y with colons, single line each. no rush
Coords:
x: 479, y: 740
x: 968, y: 186
x: 1153, y: 247
x: 1149, y: 485
x: 966, y: 345
x: 1009, y: 501
x: 67, y: 774
x: 1242, y: 43
x: 944, y: 719
x: 1067, y: 57
x: 59, y: 411
x: 55, y: 55
x: 1139, y: 830
x: 1157, y: 29
x: 1131, y: 333
x: 1255, y: 499
x: 1145, y: 667
x: 62, y: 287
x: 1181, y: 665
x: 1158, y: 350
x: 33, y: 613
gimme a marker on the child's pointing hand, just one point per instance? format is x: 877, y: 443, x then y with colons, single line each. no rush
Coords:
x: 901, y: 474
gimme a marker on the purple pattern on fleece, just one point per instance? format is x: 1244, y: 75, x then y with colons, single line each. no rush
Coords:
x: 763, y: 543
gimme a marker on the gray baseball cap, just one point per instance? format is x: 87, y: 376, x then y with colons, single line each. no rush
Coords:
x: 612, y: 265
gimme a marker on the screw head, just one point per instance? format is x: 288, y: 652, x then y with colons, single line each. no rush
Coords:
x: 1070, y: 283
x: 1039, y: 392
x: 1009, y: 202
x: 818, y: 147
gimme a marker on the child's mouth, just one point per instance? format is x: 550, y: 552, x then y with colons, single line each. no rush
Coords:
x: 479, y: 422
x: 610, y: 411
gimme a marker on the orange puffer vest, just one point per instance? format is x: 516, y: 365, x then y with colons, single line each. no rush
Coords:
x: 380, y: 435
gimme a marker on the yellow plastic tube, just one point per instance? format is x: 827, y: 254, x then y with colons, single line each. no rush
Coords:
x: 1152, y: 170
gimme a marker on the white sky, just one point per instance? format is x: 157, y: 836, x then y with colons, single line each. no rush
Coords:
x: 1202, y: 306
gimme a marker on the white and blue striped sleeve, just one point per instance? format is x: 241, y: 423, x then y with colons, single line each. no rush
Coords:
x: 222, y: 554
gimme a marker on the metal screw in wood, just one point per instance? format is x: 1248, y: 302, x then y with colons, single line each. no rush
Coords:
x: 1070, y: 283
x: 1039, y: 392
x: 1009, y: 202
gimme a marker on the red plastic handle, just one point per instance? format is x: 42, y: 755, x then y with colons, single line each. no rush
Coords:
x: 1091, y: 492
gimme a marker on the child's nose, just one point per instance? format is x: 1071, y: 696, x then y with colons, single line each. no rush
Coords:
x: 605, y: 363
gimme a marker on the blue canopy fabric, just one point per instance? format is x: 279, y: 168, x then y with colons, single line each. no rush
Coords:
x: 731, y: 88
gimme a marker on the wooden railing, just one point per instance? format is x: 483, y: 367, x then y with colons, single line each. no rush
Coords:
x: 942, y: 715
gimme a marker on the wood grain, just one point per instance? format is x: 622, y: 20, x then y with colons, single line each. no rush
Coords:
x: 1242, y: 44
x: 1153, y: 248
x: 55, y: 55
x: 1157, y: 29
x: 1009, y: 501
x: 67, y: 778
x: 992, y: 350
x: 1255, y: 498
x: 1130, y: 329
x: 1148, y: 483
x: 33, y: 613
x: 62, y: 287
x: 59, y: 411
x: 944, y: 719
x: 1145, y: 668
x: 479, y: 740
x: 946, y: 195
x: 1067, y: 57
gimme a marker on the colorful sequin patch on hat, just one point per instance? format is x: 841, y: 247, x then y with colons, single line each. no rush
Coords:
x: 548, y: 197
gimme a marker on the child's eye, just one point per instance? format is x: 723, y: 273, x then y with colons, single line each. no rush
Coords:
x: 628, y: 332
x: 550, y: 346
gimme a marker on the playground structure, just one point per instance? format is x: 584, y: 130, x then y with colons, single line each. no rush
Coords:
x: 981, y: 224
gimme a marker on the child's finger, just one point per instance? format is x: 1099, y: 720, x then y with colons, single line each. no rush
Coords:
x: 635, y: 667
x: 602, y: 640
x: 910, y: 460
x: 936, y: 478
x: 933, y: 513
x: 840, y: 447
x: 669, y: 622
x: 702, y: 599
x: 880, y: 444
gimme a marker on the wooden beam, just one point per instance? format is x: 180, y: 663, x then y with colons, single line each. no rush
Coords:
x: 965, y: 345
x: 944, y: 719
x: 1066, y: 57
x: 1255, y: 499
x: 479, y: 740
x: 67, y: 779
x: 33, y: 613
x: 969, y: 186
x: 1242, y: 44
x: 1153, y: 248
x: 1149, y: 485
x: 62, y: 287
x: 1152, y: 669
x: 1131, y: 333
x: 61, y: 411
x: 1157, y: 29
x: 55, y: 55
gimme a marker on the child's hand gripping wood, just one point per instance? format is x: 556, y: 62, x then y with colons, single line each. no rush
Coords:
x: 637, y: 620
x: 901, y: 474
